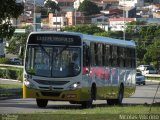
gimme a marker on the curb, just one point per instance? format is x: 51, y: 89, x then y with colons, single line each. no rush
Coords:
x: 2, y: 79
x: 153, y: 81
x: 10, y: 97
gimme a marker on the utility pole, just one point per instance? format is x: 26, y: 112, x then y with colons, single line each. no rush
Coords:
x: 34, y: 17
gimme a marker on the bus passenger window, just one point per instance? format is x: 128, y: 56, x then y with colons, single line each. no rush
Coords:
x: 86, y: 55
x: 106, y: 54
x: 114, y: 56
x: 96, y: 53
x: 92, y: 59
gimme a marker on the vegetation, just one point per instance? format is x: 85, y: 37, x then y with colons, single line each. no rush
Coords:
x: 9, y: 9
x: 11, y: 73
x: 86, y: 29
x: 147, y: 38
x: 17, y: 44
x: 52, y: 6
x: 42, y: 10
x: 4, y: 61
x: 10, y: 86
x: 88, y: 8
x: 98, y: 113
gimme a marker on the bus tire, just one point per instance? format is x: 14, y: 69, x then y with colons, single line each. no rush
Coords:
x: 120, y: 95
x: 42, y: 103
x: 119, y: 99
x: 88, y: 104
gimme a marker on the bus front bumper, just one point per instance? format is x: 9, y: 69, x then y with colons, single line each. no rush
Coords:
x: 72, y: 95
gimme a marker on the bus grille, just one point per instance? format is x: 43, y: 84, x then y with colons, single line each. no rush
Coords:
x: 53, y: 94
x: 44, y: 82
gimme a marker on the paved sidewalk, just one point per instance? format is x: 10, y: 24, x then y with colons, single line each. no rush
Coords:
x: 9, y: 81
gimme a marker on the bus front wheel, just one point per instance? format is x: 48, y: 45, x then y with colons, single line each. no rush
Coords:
x: 117, y: 101
x: 41, y: 103
x: 88, y: 104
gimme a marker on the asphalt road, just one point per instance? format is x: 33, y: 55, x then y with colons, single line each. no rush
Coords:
x: 143, y: 95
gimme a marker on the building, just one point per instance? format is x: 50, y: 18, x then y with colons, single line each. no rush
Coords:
x: 56, y: 21
x: 156, y: 14
x: 99, y: 19
x: 74, y: 18
x: 118, y: 24
x: 134, y: 3
x: 77, y: 4
x: 109, y: 2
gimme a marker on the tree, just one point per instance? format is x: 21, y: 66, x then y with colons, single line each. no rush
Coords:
x: 52, y: 6
x: 8, y: 9
x: 116, y: 34
x: 42, y: 10
x: 88, y: 8
x: 86, y: 29
x: 153, y: 51
x: 17, y: 43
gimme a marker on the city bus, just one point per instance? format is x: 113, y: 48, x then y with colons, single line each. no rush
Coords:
x: 79, y: 68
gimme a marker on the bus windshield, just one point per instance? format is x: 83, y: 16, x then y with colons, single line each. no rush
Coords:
x: 56, y: 61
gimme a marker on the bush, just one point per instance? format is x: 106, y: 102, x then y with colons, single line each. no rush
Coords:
x: 4, y: 61
x: 10, y: 73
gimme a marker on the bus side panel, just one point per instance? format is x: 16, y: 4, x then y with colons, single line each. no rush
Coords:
x: 108, y: 81
x: 101, y: 77
x: 129, y: 82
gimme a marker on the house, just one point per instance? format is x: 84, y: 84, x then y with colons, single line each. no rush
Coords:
x: 134, y: 3
x: 155, y: 8
x: 77, y: 3
x: 56, y: 21
x: 156, y: 14
x: 74, y: 18
x: 99, y: 19
x: 109, y: 2
x: 118, y: 24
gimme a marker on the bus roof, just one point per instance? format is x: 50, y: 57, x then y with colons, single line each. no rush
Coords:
x: 92, y: 38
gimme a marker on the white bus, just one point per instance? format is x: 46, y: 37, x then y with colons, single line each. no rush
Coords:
x: 79, y: 68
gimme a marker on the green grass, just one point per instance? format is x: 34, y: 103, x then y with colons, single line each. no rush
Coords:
x: 134, y: 109
x: 10, y: 86
x: 97, y: 113
x: 153, y: 78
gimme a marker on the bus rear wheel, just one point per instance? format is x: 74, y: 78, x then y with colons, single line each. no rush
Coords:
x: 42, y: 103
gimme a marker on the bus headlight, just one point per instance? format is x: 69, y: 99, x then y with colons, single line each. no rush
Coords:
x: 29, y: 84
x: 74, y: 86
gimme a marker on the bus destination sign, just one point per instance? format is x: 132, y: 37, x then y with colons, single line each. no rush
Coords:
x: 54, y: 39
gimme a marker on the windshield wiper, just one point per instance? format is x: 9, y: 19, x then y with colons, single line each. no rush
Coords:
x: 44, y: 50
x: 64, y: 48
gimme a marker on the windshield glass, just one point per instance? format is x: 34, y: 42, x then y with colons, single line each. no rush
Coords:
x: 149, y: 68
x: 138, y: 74
x: 57, y: 61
